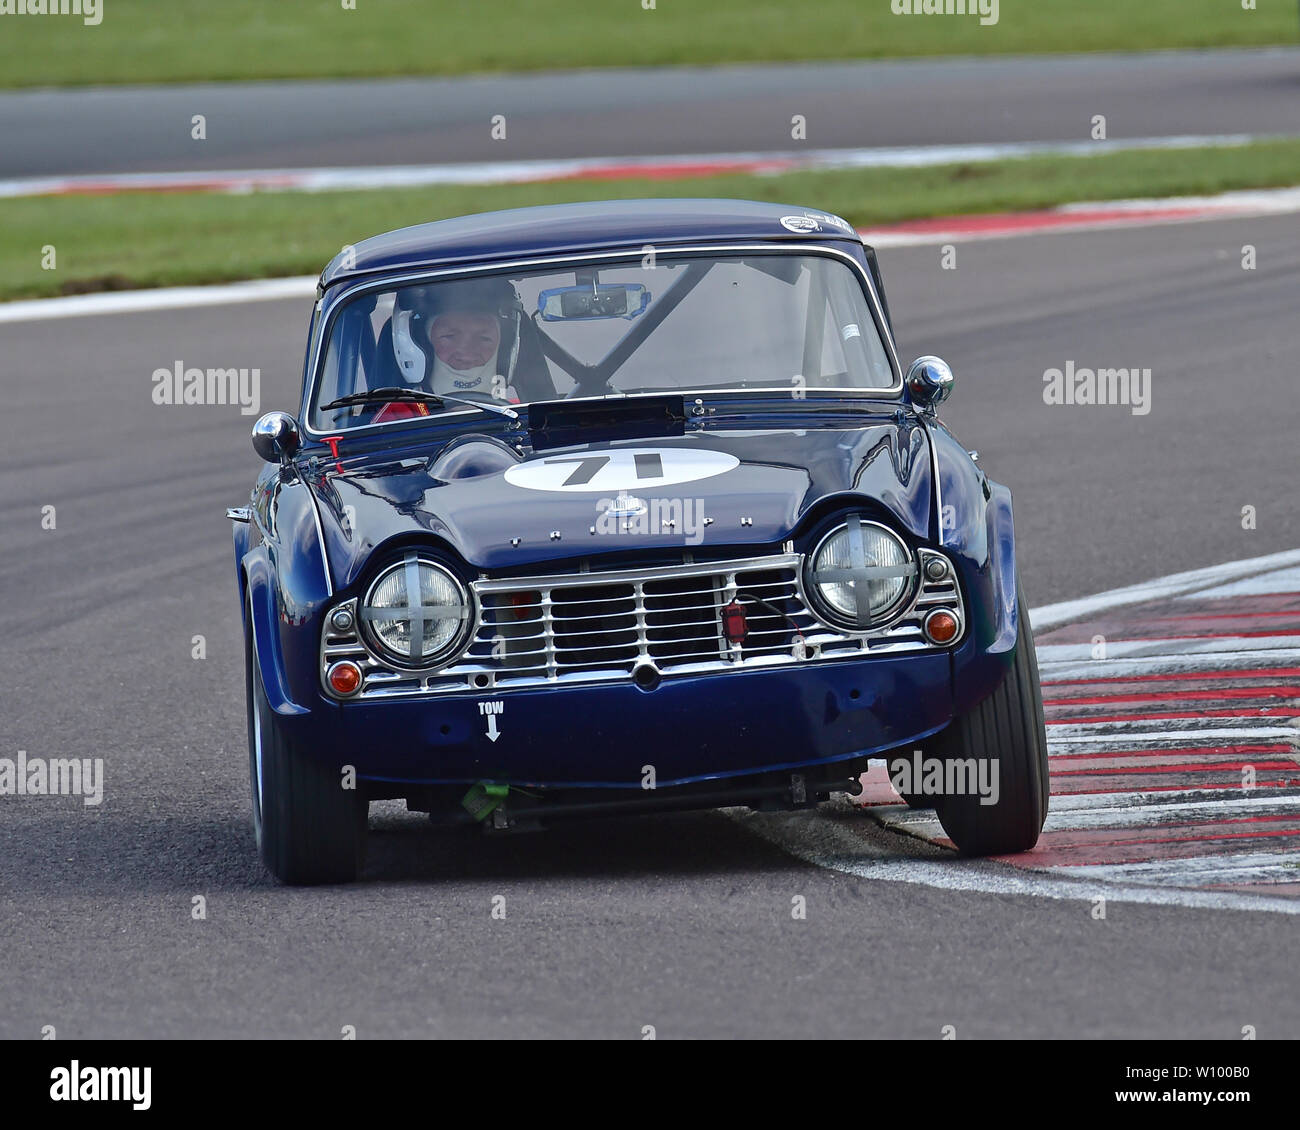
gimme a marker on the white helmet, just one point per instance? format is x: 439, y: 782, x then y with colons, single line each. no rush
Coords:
x: 415, y: 307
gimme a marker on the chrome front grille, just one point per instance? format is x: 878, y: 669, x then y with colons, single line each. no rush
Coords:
x: 561, y: 627
x: 591, y: 627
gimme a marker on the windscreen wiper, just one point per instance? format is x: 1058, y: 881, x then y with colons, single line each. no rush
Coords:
x: 373, y: 395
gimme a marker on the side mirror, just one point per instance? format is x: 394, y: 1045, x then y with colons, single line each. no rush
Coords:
x: 929, y: 382
x: 276, y: 437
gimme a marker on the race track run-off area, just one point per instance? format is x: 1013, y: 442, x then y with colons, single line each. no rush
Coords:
x: 1171, y: 726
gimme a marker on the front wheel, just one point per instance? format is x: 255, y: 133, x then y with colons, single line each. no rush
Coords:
x: 1001, y: 743
x: 309, y: 827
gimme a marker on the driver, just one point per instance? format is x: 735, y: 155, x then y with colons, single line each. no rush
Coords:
x: 448, y: 338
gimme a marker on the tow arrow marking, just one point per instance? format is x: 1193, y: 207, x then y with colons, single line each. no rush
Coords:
x: 492, y: 708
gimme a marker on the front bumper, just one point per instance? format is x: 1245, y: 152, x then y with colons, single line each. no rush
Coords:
x: 687, y: 730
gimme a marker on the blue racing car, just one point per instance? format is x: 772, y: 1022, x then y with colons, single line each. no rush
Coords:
x: 601, y: 509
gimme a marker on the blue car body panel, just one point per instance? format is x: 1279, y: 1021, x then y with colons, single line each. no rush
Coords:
x: 322, y: 527
x: 783, y: 476
x: 563, y: 229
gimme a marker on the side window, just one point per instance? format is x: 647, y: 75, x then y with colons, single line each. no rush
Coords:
x: 329, y: 380
x: 834, y: 368
x: 853, y: 335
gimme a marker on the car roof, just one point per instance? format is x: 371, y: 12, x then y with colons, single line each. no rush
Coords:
x: 560, y: 229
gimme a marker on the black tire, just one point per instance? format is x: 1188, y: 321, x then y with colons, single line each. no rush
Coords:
x: 309, y: 828
x: 1008, y: 728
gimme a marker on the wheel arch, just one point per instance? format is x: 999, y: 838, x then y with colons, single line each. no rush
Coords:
x: 258, y: 588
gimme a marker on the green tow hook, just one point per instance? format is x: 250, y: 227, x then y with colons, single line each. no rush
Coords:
x: 484, y: 798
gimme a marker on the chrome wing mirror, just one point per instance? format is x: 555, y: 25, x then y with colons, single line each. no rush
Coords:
x: 929, y: 383
x: 276, y: 437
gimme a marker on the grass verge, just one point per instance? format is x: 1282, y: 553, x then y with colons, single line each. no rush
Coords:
x: 148, y: 41
x: 165, y: 239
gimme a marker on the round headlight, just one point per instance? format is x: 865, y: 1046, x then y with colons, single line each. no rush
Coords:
x: 860, y: 573
x: 416, y: 613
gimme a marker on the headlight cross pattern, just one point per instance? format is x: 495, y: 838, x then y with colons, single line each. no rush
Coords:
x: 860, y: 570
x: 415, y: 614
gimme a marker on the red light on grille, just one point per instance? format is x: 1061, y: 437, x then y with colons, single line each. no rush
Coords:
x: 733, y: 622
x: 344, y: 678
x: 941, y: 626
x: 523, y: 603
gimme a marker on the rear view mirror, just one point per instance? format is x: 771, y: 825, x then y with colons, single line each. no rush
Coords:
x: 587, y: 303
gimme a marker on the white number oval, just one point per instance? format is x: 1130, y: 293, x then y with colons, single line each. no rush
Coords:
x: 613, y: 470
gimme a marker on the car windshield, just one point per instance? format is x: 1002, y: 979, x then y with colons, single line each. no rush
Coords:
x: 793, y: 323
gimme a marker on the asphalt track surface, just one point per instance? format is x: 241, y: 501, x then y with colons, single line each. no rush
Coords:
x: 648, y: 112
x: 681, y: 922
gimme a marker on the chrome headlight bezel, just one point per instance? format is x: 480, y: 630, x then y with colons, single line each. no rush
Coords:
x: 450, y: 651
x: 879, y: 618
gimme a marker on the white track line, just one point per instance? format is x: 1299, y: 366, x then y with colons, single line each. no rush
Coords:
x: 1124, y: 737
x: 1200, y: 871
x: 164, y: 298
x: 1258, y: 200
x: 1092, y: 215
x: 1153, y: 815
x: 1096, y: 764
x: 1283, y: 581
x: 1249, y: 799
x: 334, y: 179
x: 1172, y: 727
x: 1162, y: 649
x: 1177, y: 584
x: 924, y: 822
x: 824, y: 841
x: 1189, y: 665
